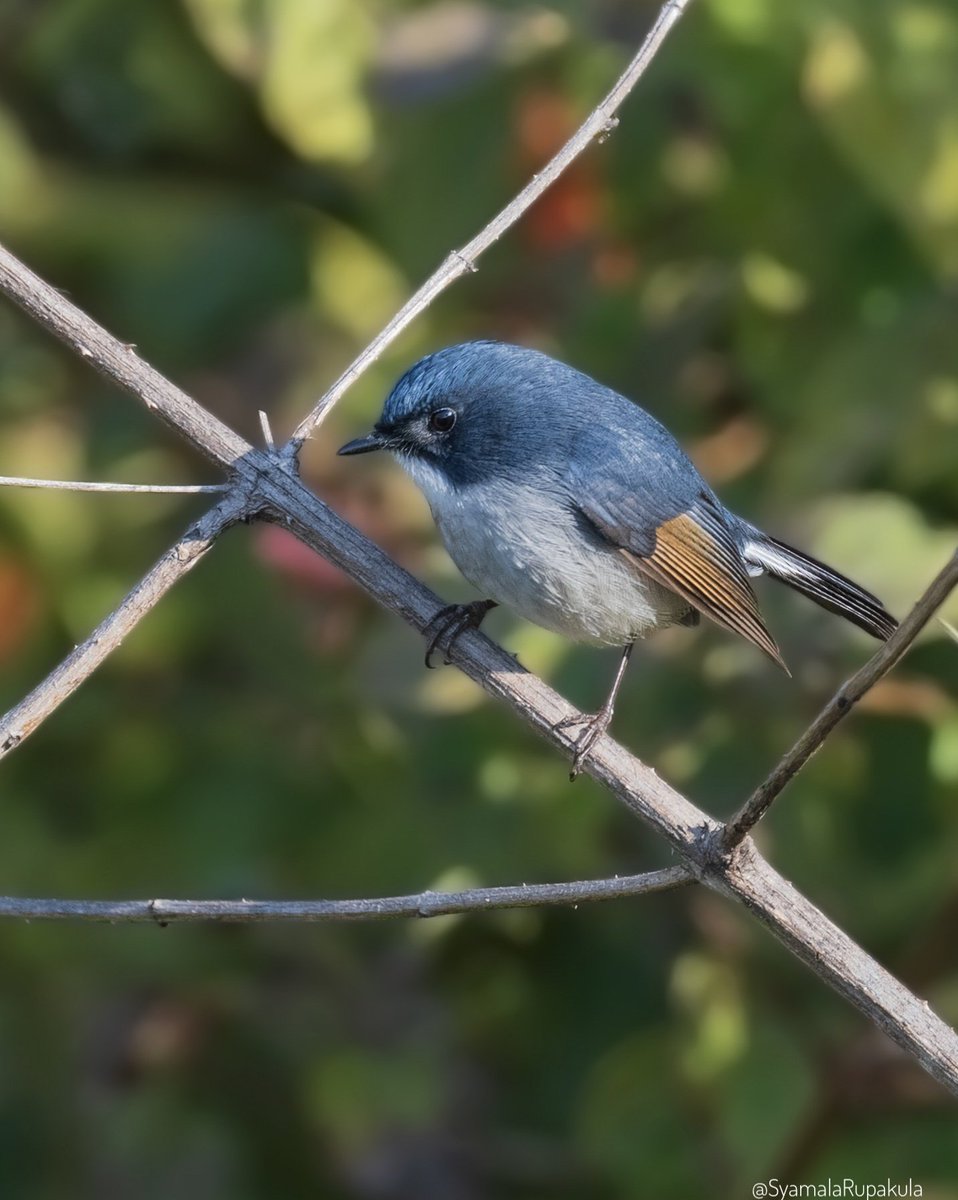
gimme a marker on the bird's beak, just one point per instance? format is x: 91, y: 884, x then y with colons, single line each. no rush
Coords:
x: 363, y: 445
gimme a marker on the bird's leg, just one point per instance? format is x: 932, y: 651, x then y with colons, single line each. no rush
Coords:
x: 595, y: 723
x: 452, y: 621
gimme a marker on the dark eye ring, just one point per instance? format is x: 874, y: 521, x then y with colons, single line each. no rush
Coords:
x: 442, y: 420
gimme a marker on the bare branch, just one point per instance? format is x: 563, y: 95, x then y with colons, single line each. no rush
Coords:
x: 598, y: 124
x: 807, y: 932
x: 423, y: 904
x: 841, y: 704
x: 119, y: 362
x: 261, y: 479
x: 62, y: 682
x: 745, y: 875
x: 73, y: 485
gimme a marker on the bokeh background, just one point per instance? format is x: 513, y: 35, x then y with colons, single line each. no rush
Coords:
x: 766, y: 254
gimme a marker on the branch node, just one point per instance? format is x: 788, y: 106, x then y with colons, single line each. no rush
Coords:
x: 429, y: 902
x: 248, y: 484
x: 724, y: 850
x: 712, y: 859
x: 608, y: 129
x: 468, y: 263
x: 289, y: 454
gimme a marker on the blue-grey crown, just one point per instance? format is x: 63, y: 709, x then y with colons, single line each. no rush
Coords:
x: 521, y: 412
x: 455, y: 373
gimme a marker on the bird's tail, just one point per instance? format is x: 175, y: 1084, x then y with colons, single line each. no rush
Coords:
x: 818, y: 582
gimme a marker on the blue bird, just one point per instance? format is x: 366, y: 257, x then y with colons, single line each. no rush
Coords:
x: 567, y: 502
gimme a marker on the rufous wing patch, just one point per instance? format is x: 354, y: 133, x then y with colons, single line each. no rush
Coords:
x: 688, y: 559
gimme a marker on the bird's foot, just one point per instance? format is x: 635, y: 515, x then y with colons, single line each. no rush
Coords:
x: 450, y: 623
x: 594, y: 726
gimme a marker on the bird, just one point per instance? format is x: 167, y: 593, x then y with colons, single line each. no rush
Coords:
x: 570, y: 504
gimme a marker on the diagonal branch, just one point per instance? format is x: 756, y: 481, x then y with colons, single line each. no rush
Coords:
x: 423, y: 904
x: 62, y: 682
x: 599, y: 123
x: 119, y: 362
x: 746, y: 876
x: 261, y: 479
x: 841, y: 705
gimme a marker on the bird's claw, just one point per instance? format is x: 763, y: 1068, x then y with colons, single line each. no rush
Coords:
x: 450, y: 623
x: 595, y: 725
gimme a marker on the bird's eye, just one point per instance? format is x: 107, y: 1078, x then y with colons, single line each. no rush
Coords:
x: 442, y: 420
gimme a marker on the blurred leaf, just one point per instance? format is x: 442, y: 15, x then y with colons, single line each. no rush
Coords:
x: 896, y: 87
x: 762, y: 254
x: 308, y: 59
x: 634, y: 1123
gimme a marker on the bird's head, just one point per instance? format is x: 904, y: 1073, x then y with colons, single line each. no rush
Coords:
x: 466, y: 413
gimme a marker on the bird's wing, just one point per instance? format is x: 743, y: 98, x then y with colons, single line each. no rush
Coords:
x: 686, y: 546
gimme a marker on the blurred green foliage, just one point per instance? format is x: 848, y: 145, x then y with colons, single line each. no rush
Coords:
x: 766, y: 253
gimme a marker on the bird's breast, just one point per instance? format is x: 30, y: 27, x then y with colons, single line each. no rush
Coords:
x: 528, y: 548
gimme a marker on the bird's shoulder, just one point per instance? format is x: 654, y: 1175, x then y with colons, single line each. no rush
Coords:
x: 641, y: 494
x: 626, y: 467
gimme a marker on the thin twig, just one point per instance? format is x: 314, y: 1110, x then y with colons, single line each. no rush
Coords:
x: 948, y: 628
x: 74, y: 485
x: 25, y: 717
x: 746, y: 876
x: 423, y: 904
x: 598, y: 124
x: 841, y: 705
x: 268, y: 440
